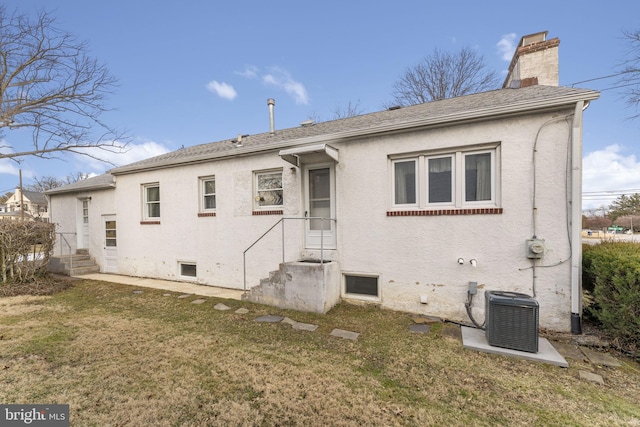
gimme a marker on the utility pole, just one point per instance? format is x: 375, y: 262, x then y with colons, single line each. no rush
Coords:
x: 21, y: 199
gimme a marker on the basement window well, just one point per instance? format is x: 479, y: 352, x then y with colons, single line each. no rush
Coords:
x: 187, y: 270
x: 361, y: 286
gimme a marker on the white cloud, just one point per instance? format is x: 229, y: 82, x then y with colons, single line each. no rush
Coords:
x: 132, y: 153
x: 506, y: 46
x: 250, y: 72
x: 223, y: 90
x: 607, y: 173
x: 282, y: 79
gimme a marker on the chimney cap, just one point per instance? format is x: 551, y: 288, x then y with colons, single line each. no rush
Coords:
x: 271, y: 101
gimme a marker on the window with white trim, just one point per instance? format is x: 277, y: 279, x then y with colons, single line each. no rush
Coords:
x: 208, y: 194
x: 458, y: 179
x: 268, y: 189
x: 151, y: 205
x: 361, y: 286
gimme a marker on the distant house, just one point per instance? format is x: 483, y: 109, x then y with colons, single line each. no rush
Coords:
x: 29, y: 205
x: 408, y: 205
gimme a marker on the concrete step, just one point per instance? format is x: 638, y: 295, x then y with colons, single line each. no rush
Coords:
x: 79, y: 271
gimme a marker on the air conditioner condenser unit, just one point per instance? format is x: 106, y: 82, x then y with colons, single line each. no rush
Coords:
x: 511, y: 321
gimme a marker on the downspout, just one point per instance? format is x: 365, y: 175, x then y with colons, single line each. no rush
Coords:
x: 576, y: 219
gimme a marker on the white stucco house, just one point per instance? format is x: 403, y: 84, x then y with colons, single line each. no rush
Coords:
x: 404, y: 207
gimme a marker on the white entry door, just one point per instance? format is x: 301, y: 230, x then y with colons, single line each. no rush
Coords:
x: 320, y: 206
x: 84, y: 228
x: 110, y: 244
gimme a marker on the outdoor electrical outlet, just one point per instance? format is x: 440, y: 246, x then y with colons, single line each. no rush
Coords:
x: 473, y: 288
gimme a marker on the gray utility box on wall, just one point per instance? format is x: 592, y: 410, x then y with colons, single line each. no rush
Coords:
x: 511, y: 320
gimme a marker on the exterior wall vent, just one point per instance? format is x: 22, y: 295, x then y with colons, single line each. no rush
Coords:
x: 511, y: 321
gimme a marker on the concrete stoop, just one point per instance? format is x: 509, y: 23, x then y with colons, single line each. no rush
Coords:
x: 73, y: 265
x: 300, y: 285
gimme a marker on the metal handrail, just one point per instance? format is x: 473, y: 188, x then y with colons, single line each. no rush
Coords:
x: 281, y: 221
x: 68, y: 245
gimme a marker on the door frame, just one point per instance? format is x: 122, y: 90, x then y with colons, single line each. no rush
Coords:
x: 313, y: 238
x: 109, y: 253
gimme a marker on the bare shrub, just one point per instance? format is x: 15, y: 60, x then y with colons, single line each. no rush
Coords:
x: 25, y: 249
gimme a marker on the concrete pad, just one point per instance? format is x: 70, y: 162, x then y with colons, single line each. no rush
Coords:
x: 475, y: 339
x: 570, y: 351
x: 348, y: 335
x: 241, y: 310
x: 269, y: 319
x: 590, y: 376
x: 198, y: 301
x: 305, y: 327
x: 167, y: 285
x: 600, y: 358
x: 220, y: 306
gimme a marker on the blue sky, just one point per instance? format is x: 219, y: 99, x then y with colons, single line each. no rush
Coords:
x: 193, y: 72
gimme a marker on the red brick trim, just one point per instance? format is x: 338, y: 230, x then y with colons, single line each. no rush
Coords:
x: 276, y: 212
x: 149, y: 222
x: 438, y: 212
x: 201, y: 214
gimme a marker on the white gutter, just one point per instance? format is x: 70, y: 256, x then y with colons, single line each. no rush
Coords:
x: 576, y: 219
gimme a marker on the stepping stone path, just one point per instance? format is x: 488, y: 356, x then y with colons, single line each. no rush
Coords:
x: 220, y: 306
x: 198, y: 301
x: 420, y: 328
x: 599, y: 358
x: 138, y: 292
x: 589, y: 376
x: 270, y: 319
x: 241, y: 310
x: 299, y: 325
x: 184, y: 296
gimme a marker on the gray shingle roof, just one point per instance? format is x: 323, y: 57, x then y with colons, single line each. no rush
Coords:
x: 99, y: 182
x: 480, y: 105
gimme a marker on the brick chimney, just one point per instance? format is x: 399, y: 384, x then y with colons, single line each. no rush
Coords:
x: 535, y: 61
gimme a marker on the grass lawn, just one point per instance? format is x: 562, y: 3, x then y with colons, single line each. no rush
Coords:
x: 124, y: 359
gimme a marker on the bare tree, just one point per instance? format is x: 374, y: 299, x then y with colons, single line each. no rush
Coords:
x: 350, y: 110
x: 444, y: 75
x: 50, y: 86
x: 630, y: 70
x: 45, y: 183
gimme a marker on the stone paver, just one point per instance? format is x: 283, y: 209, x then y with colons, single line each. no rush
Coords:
x: 590, y: 376
x: 305, y: 327
x: 269, y: 319
x: 241, y: 310
x: 348, y: 335
x: 184, y: 296
x: 138, y: 292
x: 599, y: 358
x: 220, y: 306
x: 568, y: 351
x: 166, y: 295
x: 420, y: 328
x: 198, y: 301
x: 289, y: 321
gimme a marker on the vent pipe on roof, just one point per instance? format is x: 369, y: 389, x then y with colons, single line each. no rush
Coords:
x: 271, y: 102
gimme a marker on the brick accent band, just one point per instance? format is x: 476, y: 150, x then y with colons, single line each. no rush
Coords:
x: 279, y: 212
x: 149, y: 222
x: 438, y: 212
x: 201, y: 214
